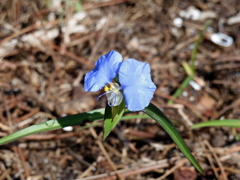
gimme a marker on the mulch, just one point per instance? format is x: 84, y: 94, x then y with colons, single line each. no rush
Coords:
x: 47, y: 47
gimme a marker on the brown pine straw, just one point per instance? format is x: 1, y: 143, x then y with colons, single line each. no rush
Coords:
x: 104, y: 151
x: 170, y: 171
x: 217, y: 159
x: 130, y: 171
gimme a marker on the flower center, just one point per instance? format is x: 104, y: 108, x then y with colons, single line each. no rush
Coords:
x: 113, y: 93
x: 108, y: 87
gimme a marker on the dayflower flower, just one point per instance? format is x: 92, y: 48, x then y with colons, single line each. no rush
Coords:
x: 136, y: 86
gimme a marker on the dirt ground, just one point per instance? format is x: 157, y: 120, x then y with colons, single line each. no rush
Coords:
x: 46, y: 48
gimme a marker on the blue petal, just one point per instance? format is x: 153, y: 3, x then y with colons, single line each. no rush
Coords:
x: 137, y: 97
x: 106, y: 69
x: 137, y: 85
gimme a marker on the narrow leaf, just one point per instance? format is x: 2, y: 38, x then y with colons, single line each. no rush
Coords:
x: 78, y: 6
x: 187, y: 68
x: 55, y: 124
x: 112, y: 117
x: 180, y: 89
x: 190, y: 69
x: 195, y: 49
x: 222, y: 123
x: 157, y: 115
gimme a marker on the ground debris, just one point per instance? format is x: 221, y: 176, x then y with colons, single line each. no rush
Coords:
x: 46, y: 48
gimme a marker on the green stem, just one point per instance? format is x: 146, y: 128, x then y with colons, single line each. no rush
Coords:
x: 158, y: 116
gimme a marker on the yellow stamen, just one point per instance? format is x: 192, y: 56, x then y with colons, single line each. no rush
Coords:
x: 106, y: 88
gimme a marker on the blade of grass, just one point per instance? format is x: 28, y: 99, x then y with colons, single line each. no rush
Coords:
x: 195, y: 49
x: 55, y: 124
x: 123, y: 118
x: 78, y: 6
x: 218, y: 123
x: 64, y: 122
x: 187, y: 69
x: 191, y: 74
x: 180, y: 89
x: 159, y: 117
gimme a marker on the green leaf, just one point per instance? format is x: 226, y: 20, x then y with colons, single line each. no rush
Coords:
x: 195, y: 49
x: 157, y: 115
x: 55, y: 124
x: 187, y: 69
x: 111, y: 118
x: 180, y: 89
x: 78, y: 6
x: 190, y: 69
x: 222, y: 123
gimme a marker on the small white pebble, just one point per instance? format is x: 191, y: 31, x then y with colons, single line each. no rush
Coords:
x: 75, y: 171
x: 185, y: 93
x: 226, y: 157
x: 207, y: 15
x: 101, y: 23
x: 46, y: 161
x: 191, y: 13
x: 178, y: 22
x: 209, y: 29
x: 51, y: 16
x: 79, y: 16
x: 234, y: 19
x: 192, y: 30
x: 63, y: 115
x: 231, y: 137
x: 56, y: 3
x: 195, y: 85
x: 191, y: 98
x: 222, y: 39
x: 68, y: 128
x: 194, y: 14
x: 191, y: 46
x: 15, y: 89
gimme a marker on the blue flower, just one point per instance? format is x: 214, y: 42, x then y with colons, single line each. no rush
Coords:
x: 134, y: 78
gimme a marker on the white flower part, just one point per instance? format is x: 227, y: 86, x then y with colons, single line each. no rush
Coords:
x: 114, y: 96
